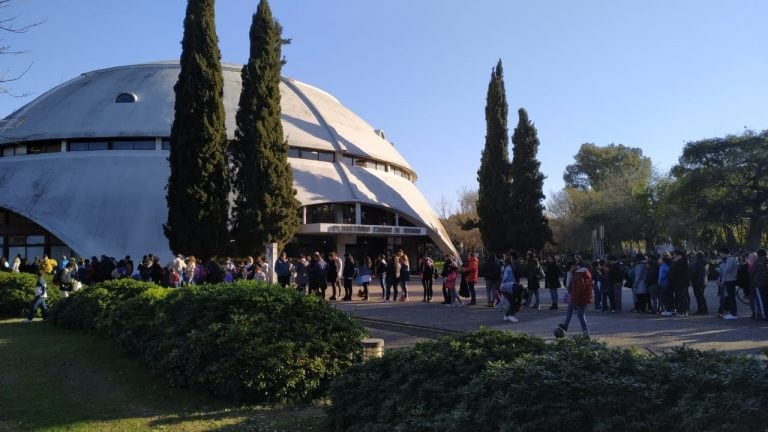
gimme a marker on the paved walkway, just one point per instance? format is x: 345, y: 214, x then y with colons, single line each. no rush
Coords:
x: 625, y: 328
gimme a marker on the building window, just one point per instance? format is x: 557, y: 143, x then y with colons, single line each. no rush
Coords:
x: 166, y: 144
x: 322, y: 213
x: 43, y: 147
x: 125, y: 98
x: 133, y: 145
x: 348, y: 213
x: 293, y: 152
x: 370, y: 215
x: 326, y: 156
x: 88, y: 145
x: 347, y: 160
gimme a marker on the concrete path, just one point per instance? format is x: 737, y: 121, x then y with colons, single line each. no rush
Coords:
x: 624, y: 329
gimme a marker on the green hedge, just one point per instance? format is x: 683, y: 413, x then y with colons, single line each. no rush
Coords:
x: 17, y: 291
x: 247, y: 341
x: 490, y: 381
x: 89, y: 310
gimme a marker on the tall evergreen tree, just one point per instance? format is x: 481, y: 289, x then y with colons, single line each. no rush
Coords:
x: 197, y: 191
x: 493, y: 176
x: 265, y: 207
x: 529, y: 228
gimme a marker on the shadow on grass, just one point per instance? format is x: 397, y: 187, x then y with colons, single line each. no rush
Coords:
x: 56, y: 379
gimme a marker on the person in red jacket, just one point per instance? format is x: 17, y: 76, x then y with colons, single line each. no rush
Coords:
x: 470, y: 275
x: 581, y: 295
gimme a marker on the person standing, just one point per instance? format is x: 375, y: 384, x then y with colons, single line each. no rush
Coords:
x: 698, y: 273
x: 392, y: 277
x: 679, y: 281
x: 349, y: 273
x: 552, y: 279
x: 16, y: 266
x: 759, y: 281
x: 470, y: 276
x: 302, y: 274
x: 427, y: 271
x: 41, y: 293
x: 493, y: 267
x: 283, y: 269
x: 317, y: 277
x: 535, y: 273
x: 616, y: 276
x: 729, y: 268
x: 366, y: 274
x: 332, y: 274
x: 639, y: 287
x: 405, y: 276
x: 511, y: 288
x: 381, y: 272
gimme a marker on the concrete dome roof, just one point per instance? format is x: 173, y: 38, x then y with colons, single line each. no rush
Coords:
x: 113, y: 202
x: 84, y: 107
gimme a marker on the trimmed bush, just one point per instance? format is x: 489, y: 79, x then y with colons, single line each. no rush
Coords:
x: 89, y: 309
x: 490, y: 381
x: 248, y: 341
x: 17, y: 291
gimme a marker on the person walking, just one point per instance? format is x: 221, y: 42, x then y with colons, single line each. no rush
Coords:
x: 41, y: 293
x: 581, y: 290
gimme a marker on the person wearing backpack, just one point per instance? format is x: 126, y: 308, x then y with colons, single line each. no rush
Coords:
x: 581, y: 290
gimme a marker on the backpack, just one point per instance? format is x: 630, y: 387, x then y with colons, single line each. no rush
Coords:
x: 582, y: 283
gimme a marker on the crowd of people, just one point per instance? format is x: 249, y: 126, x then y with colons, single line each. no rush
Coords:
x: 660, y: 283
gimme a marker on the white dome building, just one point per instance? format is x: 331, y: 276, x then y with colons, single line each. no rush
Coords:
x: 84, y: 168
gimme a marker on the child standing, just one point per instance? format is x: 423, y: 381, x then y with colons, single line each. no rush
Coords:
x: 450, y: 285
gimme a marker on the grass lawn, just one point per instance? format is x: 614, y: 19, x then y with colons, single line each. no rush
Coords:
x: 58, y: 380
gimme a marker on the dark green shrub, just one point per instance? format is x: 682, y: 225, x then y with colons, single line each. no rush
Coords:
x: 410, y: 387
x: 132, y: 322
x: 250, y: 341
x: 518, y: 383
x: 89, y: 309
x: 17, y: 291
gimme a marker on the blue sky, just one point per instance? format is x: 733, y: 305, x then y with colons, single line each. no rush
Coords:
x: 651, y: 74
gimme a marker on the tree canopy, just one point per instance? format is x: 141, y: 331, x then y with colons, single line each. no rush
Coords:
x: 597, y: 165
x: 724, y: 180
x: 529, y: 228
x: 198, y: 185
x: 494, y: 175
x: 265, y: 208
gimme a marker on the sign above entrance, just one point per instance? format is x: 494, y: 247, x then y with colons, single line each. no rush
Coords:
x: 362, y: 229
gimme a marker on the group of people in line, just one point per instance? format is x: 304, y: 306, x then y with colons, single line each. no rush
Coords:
x: 660, y: 283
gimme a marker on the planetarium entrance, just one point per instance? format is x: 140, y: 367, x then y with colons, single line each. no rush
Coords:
x: 367, y: 246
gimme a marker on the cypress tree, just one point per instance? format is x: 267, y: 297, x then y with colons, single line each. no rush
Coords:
x: 197, y: 191
x: 529, y: 228
x: 265, y: 207
x: 494, y: 174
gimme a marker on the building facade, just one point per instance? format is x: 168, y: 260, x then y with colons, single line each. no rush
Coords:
x: 84, y: 168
